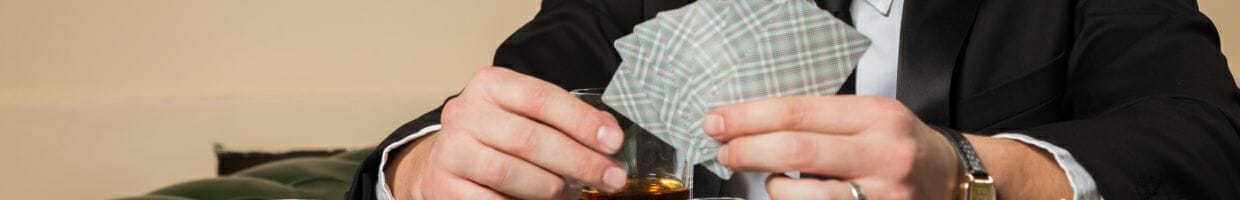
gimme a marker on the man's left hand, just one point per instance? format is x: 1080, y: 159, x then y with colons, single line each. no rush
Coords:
x: 873, y: 142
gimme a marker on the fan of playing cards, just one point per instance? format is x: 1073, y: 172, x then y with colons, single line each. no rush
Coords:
x: 684, y: 62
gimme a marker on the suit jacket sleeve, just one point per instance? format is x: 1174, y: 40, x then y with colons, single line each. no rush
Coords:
x: 1157, y: 107
x: 568, y: 43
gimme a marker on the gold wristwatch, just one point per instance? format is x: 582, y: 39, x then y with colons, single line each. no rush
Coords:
x: 977, y: 184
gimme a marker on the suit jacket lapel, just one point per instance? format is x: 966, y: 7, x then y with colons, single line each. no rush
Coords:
x: 932, y: 35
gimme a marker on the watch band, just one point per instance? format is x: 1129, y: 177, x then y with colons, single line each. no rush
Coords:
x: 978, y: 184
x: 968, y: 157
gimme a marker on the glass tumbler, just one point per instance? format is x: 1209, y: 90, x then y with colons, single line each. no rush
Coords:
x: 655, y: 169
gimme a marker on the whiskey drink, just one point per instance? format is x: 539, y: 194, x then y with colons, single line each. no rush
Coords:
x: 643, y: 189
x: 655, y: 169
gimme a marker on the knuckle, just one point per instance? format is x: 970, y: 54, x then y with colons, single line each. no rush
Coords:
x: 453, y: 110
x: 524, y: 140
x: 496, y: 172
x: 486, y: 74
x: 487, y: 80
x: 537, y: 100
x: 483, y: 77
x: 890, y: 107
x: 555, y: 188
x: 587, y: 125
x: 794, y: 151
x: 907, y: 156
x: 589, y: 170
x: 794, y: 110
x: 900, y: 159
x: 890, y: 111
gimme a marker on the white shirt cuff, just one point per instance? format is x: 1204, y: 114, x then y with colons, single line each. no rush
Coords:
x: 1083, y: 186
x: 382, y: 192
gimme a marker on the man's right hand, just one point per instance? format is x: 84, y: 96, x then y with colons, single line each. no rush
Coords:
x: 509, y: 135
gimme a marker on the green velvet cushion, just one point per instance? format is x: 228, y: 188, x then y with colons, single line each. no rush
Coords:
x: 325, y: 178
x: 295, y: 178
x: 354, y: 155
x: 154, y: 197
x: 232, y: 188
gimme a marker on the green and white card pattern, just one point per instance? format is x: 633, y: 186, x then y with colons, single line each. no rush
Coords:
x: 678, y: 66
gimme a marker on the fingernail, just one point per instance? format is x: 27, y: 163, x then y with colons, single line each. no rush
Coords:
x: 713, y: 125
x: 614, y: 178
x: 610, y: 138
x: 722, y: 154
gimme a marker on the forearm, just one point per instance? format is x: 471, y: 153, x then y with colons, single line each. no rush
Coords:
x: 1021, y: 171
x: 402, y: 175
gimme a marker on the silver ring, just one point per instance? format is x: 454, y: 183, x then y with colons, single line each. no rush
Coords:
x: 856, y: 191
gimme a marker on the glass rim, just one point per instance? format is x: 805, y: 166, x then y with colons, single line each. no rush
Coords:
x: 588, y: 91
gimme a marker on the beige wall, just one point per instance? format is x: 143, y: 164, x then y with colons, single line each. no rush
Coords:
x: 1225, y: 17
x: 103, y: 99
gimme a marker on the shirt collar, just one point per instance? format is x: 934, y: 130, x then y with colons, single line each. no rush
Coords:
x: 882, y: 6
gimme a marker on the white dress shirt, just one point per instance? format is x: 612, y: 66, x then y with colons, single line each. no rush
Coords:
x: 876, y: 75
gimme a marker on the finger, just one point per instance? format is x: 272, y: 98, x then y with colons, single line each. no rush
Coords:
x: 498, y: 171
x: 547, y: 103
x: 822, y: 154
x: 844, y: 115
x: 783, y: 187
x: 549, y: 149
x: 447, y: 186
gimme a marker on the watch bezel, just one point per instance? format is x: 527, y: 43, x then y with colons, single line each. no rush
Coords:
x: 978, y: 188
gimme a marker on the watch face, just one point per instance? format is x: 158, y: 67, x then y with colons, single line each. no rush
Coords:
x: 980, y: 191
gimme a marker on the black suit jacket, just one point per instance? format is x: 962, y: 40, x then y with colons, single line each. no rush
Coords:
x: 1136, y: 90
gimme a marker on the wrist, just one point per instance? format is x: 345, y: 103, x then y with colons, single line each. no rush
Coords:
x: 404, y: 176
x: 993, y: 152
x: 976, y: 181
x: 1021, y: 171
x: 951, y: 160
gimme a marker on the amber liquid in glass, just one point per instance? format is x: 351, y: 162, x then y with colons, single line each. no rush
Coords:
x: 644, y: 188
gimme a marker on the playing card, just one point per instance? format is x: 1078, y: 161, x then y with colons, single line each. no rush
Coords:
x: 684, y: 62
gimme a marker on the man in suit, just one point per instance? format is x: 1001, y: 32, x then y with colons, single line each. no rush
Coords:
x: 1060, y: 98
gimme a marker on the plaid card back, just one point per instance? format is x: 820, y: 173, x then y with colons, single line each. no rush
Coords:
x: 678, y: 66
